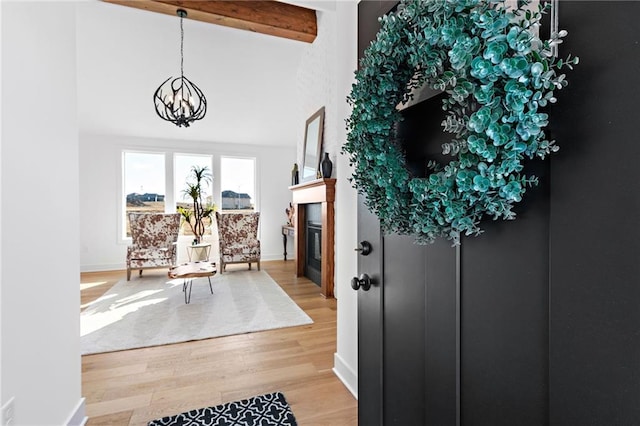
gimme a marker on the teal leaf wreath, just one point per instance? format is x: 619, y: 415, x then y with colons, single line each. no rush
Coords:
x: 497, y: 76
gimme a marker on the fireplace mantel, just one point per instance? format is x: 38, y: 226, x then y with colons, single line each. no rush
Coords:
x: 321, y: 191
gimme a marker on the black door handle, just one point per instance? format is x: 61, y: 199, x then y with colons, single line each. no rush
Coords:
x: 364, y: 282
x: 365, y: 248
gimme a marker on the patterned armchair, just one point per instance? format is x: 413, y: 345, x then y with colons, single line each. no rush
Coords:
x: 154, y: 241
x: 238, y: 238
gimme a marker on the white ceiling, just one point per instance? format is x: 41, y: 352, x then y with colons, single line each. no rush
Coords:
x: 124, y: 54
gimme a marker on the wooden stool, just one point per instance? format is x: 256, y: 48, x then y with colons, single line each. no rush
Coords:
x: 189, y: 271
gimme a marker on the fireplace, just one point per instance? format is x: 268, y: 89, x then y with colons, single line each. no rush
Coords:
x: 315, y: 199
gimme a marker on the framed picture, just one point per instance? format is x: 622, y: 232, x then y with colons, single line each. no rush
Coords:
x: 312, y: 146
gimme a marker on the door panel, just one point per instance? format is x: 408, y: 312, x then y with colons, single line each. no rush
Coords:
x: 441, y: 333
x: 595, y: 206
x: 404, y: 334
x: 370, y: 406
x: 370, y: 312
x: 504, y: 305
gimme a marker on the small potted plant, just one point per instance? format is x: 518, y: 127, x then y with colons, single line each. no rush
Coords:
x: 199, y: 178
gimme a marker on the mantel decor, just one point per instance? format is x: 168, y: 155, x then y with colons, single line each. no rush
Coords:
x: 179, y: 100
x: 497, y: 76
x: 312, y: 146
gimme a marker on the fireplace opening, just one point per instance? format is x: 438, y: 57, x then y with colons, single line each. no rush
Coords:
x: 313, y: 238
x: 314, y: 253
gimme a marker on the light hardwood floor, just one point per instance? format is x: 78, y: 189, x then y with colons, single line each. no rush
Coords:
x: 135, y: 386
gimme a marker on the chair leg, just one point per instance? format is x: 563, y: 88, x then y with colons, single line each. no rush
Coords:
x: 249, y: 265
x: 258, y: 265
x: 128, y: 274
x: 140, y: 273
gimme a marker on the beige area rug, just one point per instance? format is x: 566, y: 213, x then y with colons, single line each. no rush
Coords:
x: 150, y: 311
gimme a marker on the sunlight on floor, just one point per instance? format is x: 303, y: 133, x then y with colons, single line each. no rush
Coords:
x: 85, y: 286
x: 116, y: 312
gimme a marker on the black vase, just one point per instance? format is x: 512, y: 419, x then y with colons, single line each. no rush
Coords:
x: 326, y: 166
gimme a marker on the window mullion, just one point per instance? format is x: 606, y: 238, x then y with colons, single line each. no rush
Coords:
x: 170, y: 196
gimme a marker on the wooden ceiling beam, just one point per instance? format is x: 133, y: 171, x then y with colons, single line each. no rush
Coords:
x: 266, y: 17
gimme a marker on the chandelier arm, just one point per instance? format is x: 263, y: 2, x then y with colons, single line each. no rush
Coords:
x: 202, y: 106
x: 161, y: 106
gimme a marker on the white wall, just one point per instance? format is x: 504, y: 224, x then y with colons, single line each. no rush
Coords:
x: 39, y: 165
x: 316, y: 81
x: 100, y: 171
x: 1, y: 398
x: 325, y: 76
x: 346, y: 357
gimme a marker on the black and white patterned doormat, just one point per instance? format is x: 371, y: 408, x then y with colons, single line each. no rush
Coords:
x: 264, y: 410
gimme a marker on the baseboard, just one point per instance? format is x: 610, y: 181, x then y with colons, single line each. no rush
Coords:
x: 78, y: 417
x: 279, y: 256
x: 346, y: 374
x: 103, y: 267
x: 122, y: 266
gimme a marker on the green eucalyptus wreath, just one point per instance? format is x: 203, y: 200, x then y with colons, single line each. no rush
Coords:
x: 496, y: 74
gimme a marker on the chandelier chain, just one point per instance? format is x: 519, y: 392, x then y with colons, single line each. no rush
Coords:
x: 181, y: 47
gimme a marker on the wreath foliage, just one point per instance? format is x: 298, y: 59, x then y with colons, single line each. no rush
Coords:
x: 497, y: 75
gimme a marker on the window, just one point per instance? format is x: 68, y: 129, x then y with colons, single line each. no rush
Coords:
x: 237, y: 183
x: 143, y: 183
x: 156, y: 182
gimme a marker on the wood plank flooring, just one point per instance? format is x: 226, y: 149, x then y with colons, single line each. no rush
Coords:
x: 136, y: 386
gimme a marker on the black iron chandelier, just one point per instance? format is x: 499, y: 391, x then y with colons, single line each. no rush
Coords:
x: 179, y: 100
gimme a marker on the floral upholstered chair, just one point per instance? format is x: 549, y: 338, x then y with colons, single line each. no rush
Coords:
x: 238, y: 238
x: 154, y: 241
